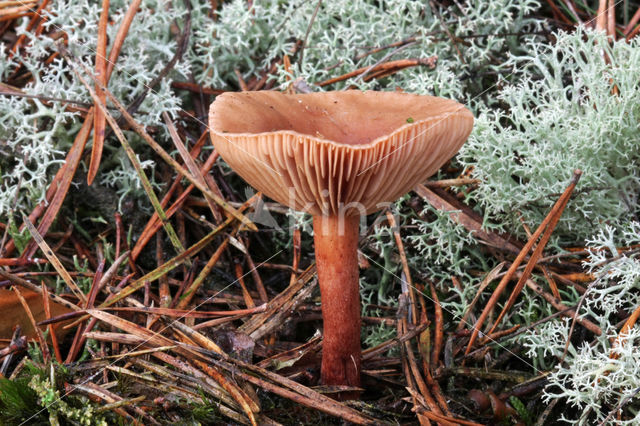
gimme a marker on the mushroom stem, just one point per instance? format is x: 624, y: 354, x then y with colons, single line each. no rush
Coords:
x: 336, y: 244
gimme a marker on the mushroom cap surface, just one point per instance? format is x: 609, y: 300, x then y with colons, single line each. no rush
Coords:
x: 343, y: 152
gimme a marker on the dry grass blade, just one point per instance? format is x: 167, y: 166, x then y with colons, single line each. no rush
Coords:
x: 152, y: 143
x: 106, y: 278
x: 53, y: 259
x: 59, y: 186
x: 191, y: 165
x: 154, y: 223
x: 557, y: 207
x: 447, y: 183
x: 30, y: 286
x: 169, y: 265
x: 111, y: 398
x: 204, y: 273
x: 188, y: 313
x: 46, y: 355
x: 165, y: 156
x: 125, y: 339
x: 123, y: 403
x: 197, y: 337
x: 152, y: 337
x: 173, y: 237
x: 99, y: 123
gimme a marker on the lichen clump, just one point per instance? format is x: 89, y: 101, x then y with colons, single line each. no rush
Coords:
x: 546, y: 102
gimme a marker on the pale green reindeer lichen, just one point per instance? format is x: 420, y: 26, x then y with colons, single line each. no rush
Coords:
x: 544, y: 106
x: 560, y: 113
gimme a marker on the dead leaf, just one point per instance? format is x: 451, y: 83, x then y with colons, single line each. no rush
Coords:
x: 13, y: 313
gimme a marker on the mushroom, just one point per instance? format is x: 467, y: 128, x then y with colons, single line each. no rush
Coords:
x: 338, y: 156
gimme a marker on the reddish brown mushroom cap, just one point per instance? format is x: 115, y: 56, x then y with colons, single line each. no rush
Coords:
x: 319, y: 152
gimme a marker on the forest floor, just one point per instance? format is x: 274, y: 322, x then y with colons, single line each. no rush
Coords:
x: 193, y: 313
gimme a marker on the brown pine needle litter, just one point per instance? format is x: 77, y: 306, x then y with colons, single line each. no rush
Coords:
x: 187, y: 297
